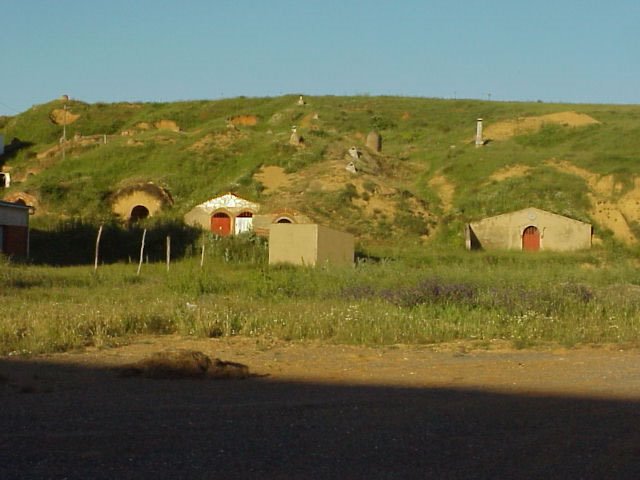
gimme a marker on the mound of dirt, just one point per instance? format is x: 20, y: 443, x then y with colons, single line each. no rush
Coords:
x: 59, y: 116
x: 523, y: 125
x: 183, y: 364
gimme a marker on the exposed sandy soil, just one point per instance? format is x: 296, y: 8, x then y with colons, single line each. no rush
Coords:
x: 244, y: 120
x: 522, y: 125
x: 27, y: 198
x: 308, y: 120
x: 445, y: 190
x: 221, y: 140
x: 331, y: 176
x: 510, y: 171
x: 608, y: 207
x: 273, y: 178
x: 325, y: 411
x: 167, y: 125
x: 61, y: 117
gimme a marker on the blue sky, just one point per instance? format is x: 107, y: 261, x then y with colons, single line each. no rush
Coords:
x: 579, y: 51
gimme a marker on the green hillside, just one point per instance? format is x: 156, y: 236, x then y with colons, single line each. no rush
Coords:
x: 428, y: 180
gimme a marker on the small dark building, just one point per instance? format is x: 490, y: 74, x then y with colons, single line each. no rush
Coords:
x: 14, y: 229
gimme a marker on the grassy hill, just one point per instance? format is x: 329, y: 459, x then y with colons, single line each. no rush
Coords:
x: 428, y: 180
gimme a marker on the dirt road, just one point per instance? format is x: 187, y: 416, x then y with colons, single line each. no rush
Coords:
x: 324, y: 411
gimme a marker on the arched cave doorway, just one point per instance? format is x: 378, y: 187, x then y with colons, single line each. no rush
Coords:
x: 139, y: 212
x: 20, y: 201
x: 221, y: 224
x: 284, y: 220
x: 531, y: 239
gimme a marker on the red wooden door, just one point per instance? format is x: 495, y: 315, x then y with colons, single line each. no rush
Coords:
x: 531, y: 239
x: 221, y: 224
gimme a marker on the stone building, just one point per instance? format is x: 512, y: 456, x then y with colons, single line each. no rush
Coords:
x: 530, y: 229
x: 225, y: 215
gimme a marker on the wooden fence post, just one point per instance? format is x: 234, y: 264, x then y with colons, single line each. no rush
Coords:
x: 95, y: 263
x: 168, y: 252
x: 144, y: 234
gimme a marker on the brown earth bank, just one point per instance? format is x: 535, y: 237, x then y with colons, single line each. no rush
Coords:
x: 315, y: 410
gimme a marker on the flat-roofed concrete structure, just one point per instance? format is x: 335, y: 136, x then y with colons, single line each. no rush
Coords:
x: 14, y: 229
x: 309, y: 244
x: 530, y: 229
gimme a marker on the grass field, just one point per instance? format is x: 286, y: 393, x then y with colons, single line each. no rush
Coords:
x: 590, y: 297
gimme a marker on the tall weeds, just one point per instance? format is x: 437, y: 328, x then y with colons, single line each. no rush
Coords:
x: 523, y: 299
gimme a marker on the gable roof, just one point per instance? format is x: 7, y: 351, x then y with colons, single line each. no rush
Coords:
x: 231, y: 201
x: 532, y: 213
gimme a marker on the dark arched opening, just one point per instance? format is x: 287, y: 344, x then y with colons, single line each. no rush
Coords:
x: 284, y: 220
x: 139, y: 212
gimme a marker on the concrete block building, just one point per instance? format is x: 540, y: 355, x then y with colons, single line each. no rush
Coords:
x: 309, y: 244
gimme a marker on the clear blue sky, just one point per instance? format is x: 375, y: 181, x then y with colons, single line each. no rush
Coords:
x: 584, y: 51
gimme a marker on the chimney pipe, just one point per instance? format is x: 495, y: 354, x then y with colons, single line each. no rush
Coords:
x: 479, y: 140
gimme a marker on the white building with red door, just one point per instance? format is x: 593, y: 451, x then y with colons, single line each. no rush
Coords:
x: 225, y: 215
x: 530, y: 229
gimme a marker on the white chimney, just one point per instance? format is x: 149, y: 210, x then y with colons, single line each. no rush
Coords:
x: 479, y: 140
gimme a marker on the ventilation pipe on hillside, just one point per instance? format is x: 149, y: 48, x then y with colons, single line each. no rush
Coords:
x: 479, y: 140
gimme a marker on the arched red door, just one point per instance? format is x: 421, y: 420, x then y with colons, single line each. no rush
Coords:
x: 531, y: 239
x: 221, y: 224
